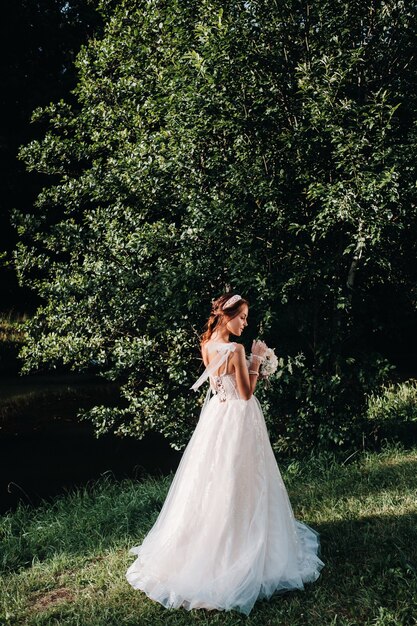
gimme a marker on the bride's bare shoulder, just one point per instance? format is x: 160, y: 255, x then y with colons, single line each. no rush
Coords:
x: 210, y: 346
x: 205, y: 349
x: 240, y: 349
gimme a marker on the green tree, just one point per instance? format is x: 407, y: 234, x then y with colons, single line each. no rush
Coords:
x: 255, y: 144
x: 40, y: 41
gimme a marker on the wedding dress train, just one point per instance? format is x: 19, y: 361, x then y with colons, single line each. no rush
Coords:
x: 226, y: 535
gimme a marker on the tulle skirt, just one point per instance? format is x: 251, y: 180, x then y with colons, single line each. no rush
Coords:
x: 226, y: 535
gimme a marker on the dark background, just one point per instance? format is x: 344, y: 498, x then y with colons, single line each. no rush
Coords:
x: 39, y: 42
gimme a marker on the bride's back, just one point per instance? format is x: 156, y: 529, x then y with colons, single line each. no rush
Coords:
x: 209, y: 350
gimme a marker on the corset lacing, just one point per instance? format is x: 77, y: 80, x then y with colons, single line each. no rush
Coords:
x: 219, y: 388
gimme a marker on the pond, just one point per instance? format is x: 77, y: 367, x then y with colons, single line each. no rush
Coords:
x: 45, y: 450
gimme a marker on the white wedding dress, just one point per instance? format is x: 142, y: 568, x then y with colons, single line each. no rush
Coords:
x: 226, y: 535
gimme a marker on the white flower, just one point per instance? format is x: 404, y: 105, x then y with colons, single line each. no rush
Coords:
x: 269, y: 364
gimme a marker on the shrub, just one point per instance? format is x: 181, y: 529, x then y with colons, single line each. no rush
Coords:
x: 392, y: 413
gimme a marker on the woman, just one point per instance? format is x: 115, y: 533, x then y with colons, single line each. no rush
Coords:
x: 226, y: 535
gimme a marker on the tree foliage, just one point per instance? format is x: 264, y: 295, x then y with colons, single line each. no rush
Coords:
x: 267, y: 146
x: 39, y: 41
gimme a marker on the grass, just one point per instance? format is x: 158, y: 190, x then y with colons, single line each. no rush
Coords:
x: 64, y: 562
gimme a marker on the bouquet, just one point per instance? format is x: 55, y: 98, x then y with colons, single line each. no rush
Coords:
x: 269, y: 364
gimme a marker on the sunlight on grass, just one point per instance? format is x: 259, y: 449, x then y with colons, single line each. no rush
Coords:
x: 64, y: 562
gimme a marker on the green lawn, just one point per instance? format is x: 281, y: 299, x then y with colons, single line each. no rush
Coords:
x: 65, y: 562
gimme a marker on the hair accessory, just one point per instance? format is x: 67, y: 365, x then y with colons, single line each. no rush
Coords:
x: 231, y: 301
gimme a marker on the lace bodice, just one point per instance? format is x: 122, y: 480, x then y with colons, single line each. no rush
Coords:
x: 222, y: 384
x: 225, y: 387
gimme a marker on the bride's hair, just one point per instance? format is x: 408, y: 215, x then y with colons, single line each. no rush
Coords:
x: 217, y: 313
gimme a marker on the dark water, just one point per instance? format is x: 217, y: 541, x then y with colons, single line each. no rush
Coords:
x: 45, y: 449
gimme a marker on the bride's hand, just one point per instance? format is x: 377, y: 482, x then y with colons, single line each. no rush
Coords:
x: 259, y: 348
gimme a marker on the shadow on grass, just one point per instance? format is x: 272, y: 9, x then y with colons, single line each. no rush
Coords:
x: 360, y: 479
x: 106, y: 512
x: 82, y: 522
x: 369, y: 551
x: 366, y: 577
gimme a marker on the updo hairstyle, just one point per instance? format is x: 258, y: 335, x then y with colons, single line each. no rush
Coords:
x: 218, y: 315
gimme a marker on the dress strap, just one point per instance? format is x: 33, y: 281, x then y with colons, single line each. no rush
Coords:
x: 221, y: 357
x: 225, y: 367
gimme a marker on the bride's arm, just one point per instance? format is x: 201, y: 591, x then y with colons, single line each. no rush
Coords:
x: 245, y: 382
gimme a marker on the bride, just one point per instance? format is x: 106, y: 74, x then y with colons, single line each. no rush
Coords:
x: 226, y: 535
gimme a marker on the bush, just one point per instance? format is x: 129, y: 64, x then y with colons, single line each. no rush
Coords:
x: 306, y: 409
x: 392, y: 413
